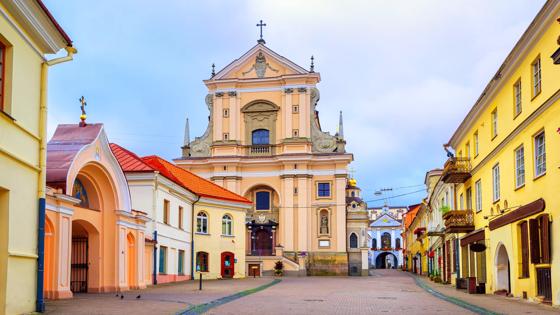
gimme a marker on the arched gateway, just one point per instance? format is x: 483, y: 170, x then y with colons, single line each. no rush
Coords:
x: 92, y: 233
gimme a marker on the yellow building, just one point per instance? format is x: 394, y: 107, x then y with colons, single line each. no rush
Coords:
x: 415, y: 239
x: 506, y: 169
x: 264, y: 142
x: 28, y: 32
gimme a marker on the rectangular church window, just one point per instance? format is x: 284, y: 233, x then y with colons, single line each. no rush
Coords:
x: 295, y: 109
x: 295, y: 133
x: 226, y: 112
x: 262, y: 200
x: 323, y: 190
x: 226, y: 136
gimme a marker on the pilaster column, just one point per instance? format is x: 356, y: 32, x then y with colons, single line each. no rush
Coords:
x: 288, y: 112
x: 121, y: 252
x: 304, y: 230
x: 393, y: 239
x: 288, y: 213
x: 140, y: 266
x: 340, y: 222
x: 303, y: 112
x: 233, y: 116
x: 64, y: 256
x: 379, y: 245
x: 217, y: 116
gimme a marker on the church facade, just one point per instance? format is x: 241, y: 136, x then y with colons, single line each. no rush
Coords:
x: 264, y: 141
x: 385, y: 240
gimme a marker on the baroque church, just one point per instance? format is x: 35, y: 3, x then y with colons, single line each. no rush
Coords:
x: 264, y: 141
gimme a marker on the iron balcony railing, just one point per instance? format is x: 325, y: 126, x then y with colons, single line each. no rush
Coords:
x: 459, y: 221
x: 456, y: 170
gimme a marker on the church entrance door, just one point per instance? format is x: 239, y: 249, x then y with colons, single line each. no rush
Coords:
x: 263, y: 242
x: 228, y: 261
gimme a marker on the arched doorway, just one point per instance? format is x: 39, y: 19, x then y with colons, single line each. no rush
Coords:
x: 228, y: 262
x: 502, y: 270
x: 131, y: 260
x: 386, y: 260
x: 84, y: 259
x: 49, y: 258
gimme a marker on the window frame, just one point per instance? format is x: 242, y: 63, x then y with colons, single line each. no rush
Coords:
x: 202, y: 228
x: 468, y: 198
x: 181, y: 262
x: 475, y: 143
x: 517, y: 99
x: 494, y: 123
x: 496, y: 183
x: 181, y: 217
x: 225, y: 112
x: 162, y: 268
x: 536, y: 173
x: 536, y: 82
x: 227, y: 223
x: 350, y: 240
x: 478, y: 195
x: 318, y: 190
x: 269, y: 200
x: 519, y: 166
x: 3, y: 52
x: 206, y: 261
x: 166, y: 211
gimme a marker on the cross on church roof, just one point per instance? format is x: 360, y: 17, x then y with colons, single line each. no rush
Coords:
x: 260, y: 25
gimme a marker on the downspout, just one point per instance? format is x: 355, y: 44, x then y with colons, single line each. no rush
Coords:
x: 192, y: 238
x: 42, y: 181
x: 154, y: 209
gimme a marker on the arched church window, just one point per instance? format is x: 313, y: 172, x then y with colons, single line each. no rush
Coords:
x: 398, y: 243
x: 260, y: 137
x: 202, y: 223
x: 353, y: 240
x: 353, y: 194
x: 374, y: 243
x: 226, y: 225
x: 386, y: 240
x: 324, y: 222
x: 262, y: 200
x: 79, y: 192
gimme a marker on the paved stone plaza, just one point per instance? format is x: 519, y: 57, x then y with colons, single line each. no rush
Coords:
x: 384, y: 291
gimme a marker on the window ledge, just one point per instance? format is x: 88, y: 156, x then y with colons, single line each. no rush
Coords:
x: 519, y: 187
x: 228, y: 236
x: 200, y: 233
x: 7, y: 115
x: 539, y: 176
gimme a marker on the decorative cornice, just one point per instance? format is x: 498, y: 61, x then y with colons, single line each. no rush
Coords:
x: 302, y: 90
x: 288, y: 90
x: 232, y: 93
x: 219, y: 94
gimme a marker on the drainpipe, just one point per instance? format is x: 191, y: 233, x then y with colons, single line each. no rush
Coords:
x: 154, y: 209
x: 192, y: 238
x: 42, y: 181
x: 154, y: 272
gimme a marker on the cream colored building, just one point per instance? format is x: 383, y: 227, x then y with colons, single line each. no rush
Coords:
x: 27, y: 34
x: 264, y: 142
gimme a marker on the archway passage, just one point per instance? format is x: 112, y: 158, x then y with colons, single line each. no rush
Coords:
x: 131, y: 260
x: 228, y: 261
x: 502, y: 270
x: 84, y: 257
x: 386, y: 260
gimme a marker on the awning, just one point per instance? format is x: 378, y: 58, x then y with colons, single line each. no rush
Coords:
x: 474, y: 236
x: 517, y: 214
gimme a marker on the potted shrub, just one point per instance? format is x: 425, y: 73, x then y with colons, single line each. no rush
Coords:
x: 279, y: 268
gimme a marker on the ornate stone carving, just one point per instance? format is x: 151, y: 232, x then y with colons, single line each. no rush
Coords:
x: 323, y: 142
x: 232, y: 93
x: 219, y: 94
x: 302, y: 90
x: 288, y: 90
x: 200, y: 146
x: 260, y: 66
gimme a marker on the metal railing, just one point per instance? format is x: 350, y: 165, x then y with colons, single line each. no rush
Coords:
x: 457, y: 170
x: 459, y: 221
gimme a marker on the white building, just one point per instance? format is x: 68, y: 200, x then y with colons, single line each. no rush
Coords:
x: 385, y: 241
x: 169, y: 207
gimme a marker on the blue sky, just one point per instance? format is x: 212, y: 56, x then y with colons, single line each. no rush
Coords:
x: 404, y: 73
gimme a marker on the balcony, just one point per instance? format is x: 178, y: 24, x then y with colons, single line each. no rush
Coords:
x: 260, y: 150
x: 456, y: 170
x: 459, y: 221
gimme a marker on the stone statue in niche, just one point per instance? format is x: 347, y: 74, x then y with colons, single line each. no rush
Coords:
x: 324, y: 223
x: 260, y: 66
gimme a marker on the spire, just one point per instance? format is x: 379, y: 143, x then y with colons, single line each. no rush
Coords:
x: 340, y: 127
x: 187, y: 139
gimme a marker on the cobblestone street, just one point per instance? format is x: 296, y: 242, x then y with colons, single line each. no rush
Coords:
x: 385, y: 291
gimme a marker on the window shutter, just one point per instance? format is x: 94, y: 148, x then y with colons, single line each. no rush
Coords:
x: 524, y: 249
x: 545, y: 239
x: 534, y: 236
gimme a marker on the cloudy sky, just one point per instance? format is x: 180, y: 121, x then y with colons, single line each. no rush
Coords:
x: 403, y: 72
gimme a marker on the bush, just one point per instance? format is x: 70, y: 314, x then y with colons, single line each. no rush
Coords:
x: 279, y: 268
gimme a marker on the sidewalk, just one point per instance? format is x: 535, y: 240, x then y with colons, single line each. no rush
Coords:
x: 490, y: 302
x: 160, y: 299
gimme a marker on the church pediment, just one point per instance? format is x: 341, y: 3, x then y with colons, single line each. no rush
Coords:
x: 258, y: 63
x: 385, y: 220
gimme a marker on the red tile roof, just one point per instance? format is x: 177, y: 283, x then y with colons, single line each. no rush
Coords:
x: 129, y: 161
x: 192, y: 182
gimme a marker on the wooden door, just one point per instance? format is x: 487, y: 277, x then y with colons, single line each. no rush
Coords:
x: 228, y: 262
x: 263, y: 242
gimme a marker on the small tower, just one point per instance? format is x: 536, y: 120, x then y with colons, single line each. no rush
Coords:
x: 357, y: 222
